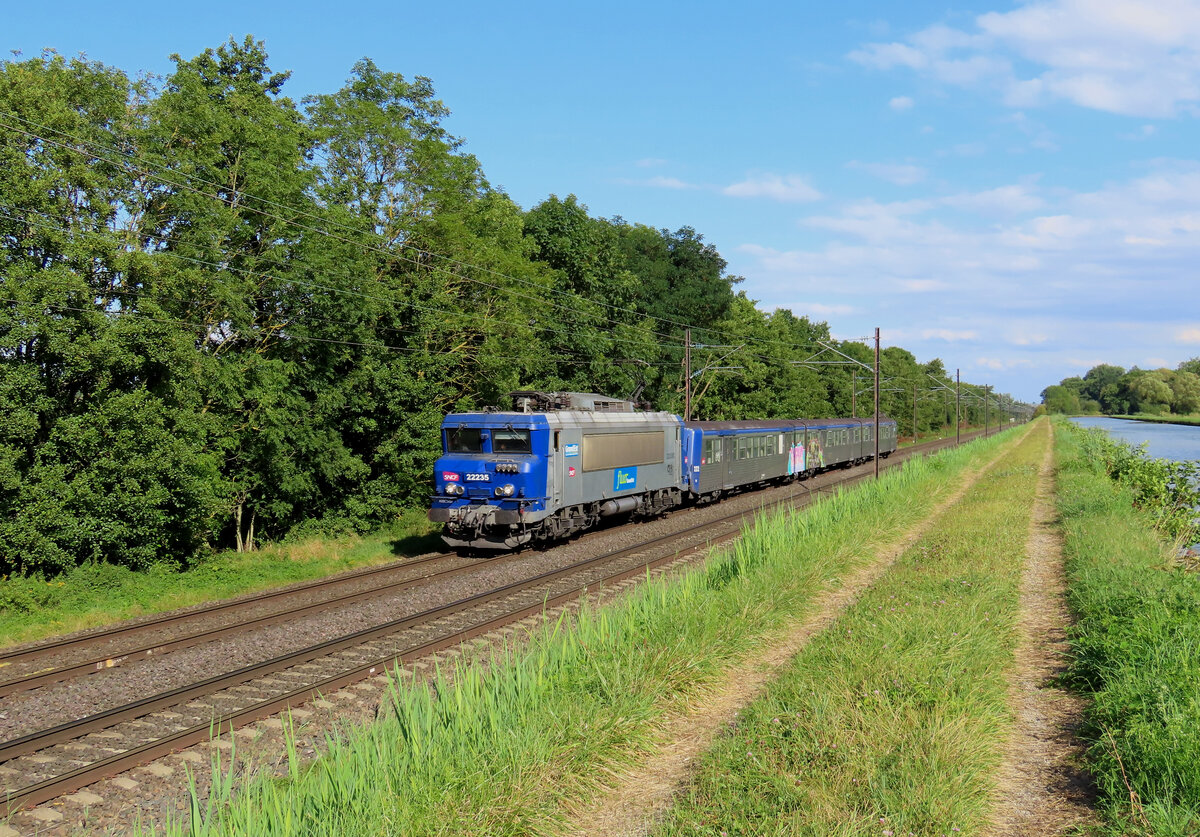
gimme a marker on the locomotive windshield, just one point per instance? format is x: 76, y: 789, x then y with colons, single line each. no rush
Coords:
x: 510, y: 441
x: 464, y: 440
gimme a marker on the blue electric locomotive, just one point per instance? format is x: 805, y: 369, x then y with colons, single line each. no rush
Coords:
x: 556, y: 463
x: 552, y: 466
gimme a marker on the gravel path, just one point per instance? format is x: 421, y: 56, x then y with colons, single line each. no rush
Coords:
x: 637, y: 799
x: 1041, y: 789
x: 158, y: 790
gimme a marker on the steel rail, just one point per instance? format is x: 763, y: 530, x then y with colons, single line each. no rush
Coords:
x: 37, y: 679
x: 85, y: 775
x: 58, y: 646
x: 80, y: 777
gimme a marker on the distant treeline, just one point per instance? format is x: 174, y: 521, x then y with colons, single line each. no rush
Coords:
x: 1115, y: 392
x: 231, y: 316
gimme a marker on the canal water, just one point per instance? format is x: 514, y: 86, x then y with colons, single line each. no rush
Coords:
x: 1163, y: 441
x: 1178, y: 442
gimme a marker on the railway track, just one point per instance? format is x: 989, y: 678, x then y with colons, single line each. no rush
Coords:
x: 48, y: 763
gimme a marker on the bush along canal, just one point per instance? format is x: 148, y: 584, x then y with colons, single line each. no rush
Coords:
x: 1136, y: 645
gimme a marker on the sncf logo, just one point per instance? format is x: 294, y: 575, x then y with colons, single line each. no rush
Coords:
x: 449, y: 476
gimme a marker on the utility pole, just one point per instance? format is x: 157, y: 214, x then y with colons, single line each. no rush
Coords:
x: 876, y: 403
x: 914, y: 413
x: 687, y: 374
x: 957, y: 410
x: 853, y: 387
x: 986, y: 387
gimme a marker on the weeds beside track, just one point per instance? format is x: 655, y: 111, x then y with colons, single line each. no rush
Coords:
x: 891, y: 721
x: 507, y: 751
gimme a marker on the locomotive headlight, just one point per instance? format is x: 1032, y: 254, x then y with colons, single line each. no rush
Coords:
x: 505, y: 490
x: 454, y: 489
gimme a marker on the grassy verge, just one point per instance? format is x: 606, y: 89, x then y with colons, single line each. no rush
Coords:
x: 100, y: 594
x: 1172, y: 419
x: 501, y: 752
x: 892, y: 720
x: 1136, y: 649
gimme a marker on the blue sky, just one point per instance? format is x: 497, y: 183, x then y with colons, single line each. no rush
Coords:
x: 1014, y: 188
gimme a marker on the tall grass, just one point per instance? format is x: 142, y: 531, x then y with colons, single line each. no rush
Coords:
x: 1136, y: 649
x: 99, y: 594
x: 500, y: 749
x: 890, y: 721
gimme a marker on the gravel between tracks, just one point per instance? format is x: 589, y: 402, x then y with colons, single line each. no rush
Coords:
x: 160, y: 788
x: 26, y: 712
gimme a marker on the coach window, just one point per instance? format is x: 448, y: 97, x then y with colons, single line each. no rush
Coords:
x: 556, y: 432
x: 712, y: 450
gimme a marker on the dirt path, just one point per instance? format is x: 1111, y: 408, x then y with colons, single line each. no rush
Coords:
x: 1040, y: 789
x: 639, y: 796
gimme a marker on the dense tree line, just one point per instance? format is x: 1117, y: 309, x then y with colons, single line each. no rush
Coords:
x: 231, y: 316
x: 1113, y: 391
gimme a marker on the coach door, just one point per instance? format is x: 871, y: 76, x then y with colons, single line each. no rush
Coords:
x: 729, y: 448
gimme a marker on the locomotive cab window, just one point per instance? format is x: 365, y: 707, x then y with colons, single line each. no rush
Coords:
x: 464, y: 440
x: 510, y: 441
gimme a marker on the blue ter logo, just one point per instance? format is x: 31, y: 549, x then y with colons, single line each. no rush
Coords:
x: 625, y: 479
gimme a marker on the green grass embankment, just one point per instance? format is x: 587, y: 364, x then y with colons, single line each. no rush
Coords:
x: 101, y: 594
x: 1191, y: 420
x: 892, y: 720
x: 1136, y: 649
x: 506, y: 750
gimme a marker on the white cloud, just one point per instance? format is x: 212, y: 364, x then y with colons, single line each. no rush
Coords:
x: 1026, y: 338
x: 901, y: 103
x: 901, y: 175
x: 791, y: 188
x: 1044, y: 277
x: 922, y: 286
x: 1004, y: 200
x: 661, y: 182
x: 997, y: 364
x: 822, y: 310
x: 949, y: 335
x: 1119, y: 56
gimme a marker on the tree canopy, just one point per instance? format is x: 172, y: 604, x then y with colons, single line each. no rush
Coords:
x: 232, y: 315
x: 1112, y: 390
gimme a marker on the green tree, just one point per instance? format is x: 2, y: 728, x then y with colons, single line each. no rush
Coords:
x: 1149, y: 392
x: 1101, y: 384
x: 1061, y: 399
x: 104, y: 452
x: 1185, y: 392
